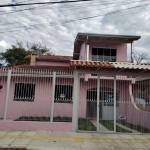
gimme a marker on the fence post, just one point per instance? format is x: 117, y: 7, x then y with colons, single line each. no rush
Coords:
x: 98, y: 90
x: 75, y: 102
x: 7, y: 93
x: 114, y: 103
x: 53, y: 95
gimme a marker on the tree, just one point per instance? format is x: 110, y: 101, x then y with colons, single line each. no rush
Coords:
x: 16, y: 55
x: 139, y: 57
x: 37, y: 48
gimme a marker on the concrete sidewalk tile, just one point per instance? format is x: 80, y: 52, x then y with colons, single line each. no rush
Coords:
x: 139, y: 137
x: 13, y: 133
x: 113, y: 136
x: 64, y: 144
x: 57, y: 134
x: 98, y: 135
x: 85, y: 135
x: 89, y: 145
x: 29, y: 133
x: 6, y: 141
x: 39, y: 143
x: 147, y: 144
x: 105, y: 146
x: 70, y: 134
x: 87, y: 140
x: 21, y: 142
x: 147, y: 136
x: 126, y: 136
x: 117, y: 141
x: 43, y: 133
x: 2, y: 133
x: 137, y: 145
x: 102, y: 140
x: 121, y: 145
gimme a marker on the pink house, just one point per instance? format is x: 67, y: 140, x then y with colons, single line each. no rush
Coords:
x: 96, y: 83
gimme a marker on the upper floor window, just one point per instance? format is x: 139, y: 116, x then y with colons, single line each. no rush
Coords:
x: 104, y: 54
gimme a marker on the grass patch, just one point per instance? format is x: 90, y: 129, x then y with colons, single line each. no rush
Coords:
x: 137, y: 127
x: 83, y: 124
x: 110, y: 126
x: 86, y: 125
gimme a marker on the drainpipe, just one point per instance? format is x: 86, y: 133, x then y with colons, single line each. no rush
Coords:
x: 132, y: 52
x: 86, y: 49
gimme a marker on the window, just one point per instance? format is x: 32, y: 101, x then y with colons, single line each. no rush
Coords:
x: 24, y: 92
x: 63, y: 94
x: 103, y: 54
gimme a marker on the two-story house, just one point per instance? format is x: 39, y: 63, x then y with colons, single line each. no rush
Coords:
x: 98, y: 58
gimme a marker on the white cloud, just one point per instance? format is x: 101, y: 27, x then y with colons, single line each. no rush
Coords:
x: 3, y: 44
x: 60, y: 38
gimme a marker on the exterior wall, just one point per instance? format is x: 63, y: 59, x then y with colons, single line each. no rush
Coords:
x: 82, y: 52
x: 121, y: 50
x: 50, y: 63
x: 27, y: 125
x: 42, y: 101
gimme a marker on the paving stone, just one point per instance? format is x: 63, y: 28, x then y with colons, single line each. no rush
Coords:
x: 6, y: 141
x: 105, y: 145
x: 3, y: 133
x: 58, y: 134
x: 21, y: 142
x: 40, y: 143
x: 85, y: 135
x: 89, y: 145
x: 43, y: 133
x: 98, y: 135
x: 126, y: 136
x: 137, y: 145
x: 14, y: 133
x: 71, y: 134
x: 139, y: 137
x: 147, y: 144
x: 121, y: 145
x: 113, y: 136
x: 29, y: 133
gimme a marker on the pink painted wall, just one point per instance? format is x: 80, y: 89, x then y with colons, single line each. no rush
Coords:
x: 82, y: 52
x: 27, y: 125
x: 133, y: 114
x: 121, y: 50
x: 51, y: 63
x: 42, y: 101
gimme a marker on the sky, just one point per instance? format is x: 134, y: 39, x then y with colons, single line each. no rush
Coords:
x: 55, y: 27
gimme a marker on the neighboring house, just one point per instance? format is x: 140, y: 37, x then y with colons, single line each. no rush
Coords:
x: 32, y: 95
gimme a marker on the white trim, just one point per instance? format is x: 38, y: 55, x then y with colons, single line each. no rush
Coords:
x: 7, y: 93
x: 114, y: 103
x: 98, y: 90
x: 53, y: 94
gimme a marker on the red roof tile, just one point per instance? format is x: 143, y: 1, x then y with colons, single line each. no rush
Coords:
x: 52, y: 58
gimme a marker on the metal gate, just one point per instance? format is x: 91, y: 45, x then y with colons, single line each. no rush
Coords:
x: 97, y: 103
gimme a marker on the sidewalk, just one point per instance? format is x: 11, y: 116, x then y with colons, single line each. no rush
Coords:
x: 45, y: 140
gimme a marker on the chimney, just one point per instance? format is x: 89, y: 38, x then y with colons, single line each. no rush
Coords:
x: 33, y: 59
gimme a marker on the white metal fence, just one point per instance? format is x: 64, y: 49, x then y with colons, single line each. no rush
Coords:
x: 92, y: 102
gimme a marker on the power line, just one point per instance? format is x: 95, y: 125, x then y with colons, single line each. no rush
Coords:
x: 60, y: 2
x: 78, y: 19
x: 75, y: 13
x: 39, y: 7
x: 23, y: 1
